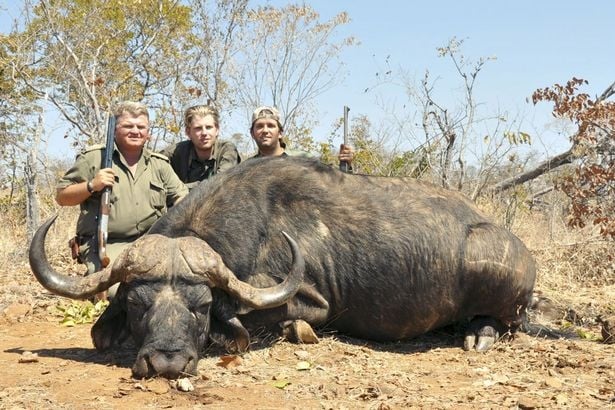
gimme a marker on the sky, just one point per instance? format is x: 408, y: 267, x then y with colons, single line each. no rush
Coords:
x: 535, y: 44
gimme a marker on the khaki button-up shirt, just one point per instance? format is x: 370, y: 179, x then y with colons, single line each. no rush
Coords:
x: 136, y: 201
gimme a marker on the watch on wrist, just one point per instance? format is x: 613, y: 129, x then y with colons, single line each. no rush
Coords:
x: 90, y: 187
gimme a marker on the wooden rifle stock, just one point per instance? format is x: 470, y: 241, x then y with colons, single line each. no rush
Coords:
x: 105, y: 199
x: 344, y: 167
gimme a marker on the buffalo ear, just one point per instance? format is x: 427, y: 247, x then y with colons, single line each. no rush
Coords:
x: 110, y: 328
x: 231, y: 334
x: 226, y: 329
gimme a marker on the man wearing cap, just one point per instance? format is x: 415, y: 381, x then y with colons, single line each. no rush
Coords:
x: 202, y: 155
x: 266, y: 130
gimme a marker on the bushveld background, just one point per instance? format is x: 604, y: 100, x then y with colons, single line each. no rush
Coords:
x: 72, y: 60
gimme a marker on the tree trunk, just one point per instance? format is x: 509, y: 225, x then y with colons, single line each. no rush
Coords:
x: 32, y: 205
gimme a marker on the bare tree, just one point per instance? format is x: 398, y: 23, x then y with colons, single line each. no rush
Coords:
x: 290, y: 58
x: 30, y: 174
x: 204, y: 71
x: 451, y: 144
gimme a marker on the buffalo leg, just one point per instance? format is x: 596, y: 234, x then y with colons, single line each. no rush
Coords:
x: 298, y: 331
x: 482, y: 333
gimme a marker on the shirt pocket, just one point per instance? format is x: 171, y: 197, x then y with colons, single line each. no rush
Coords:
x: 158, y: 197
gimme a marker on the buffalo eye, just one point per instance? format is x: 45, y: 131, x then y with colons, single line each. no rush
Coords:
x: 201, y: 309
x: 199, y: 299
x: 135, y: 307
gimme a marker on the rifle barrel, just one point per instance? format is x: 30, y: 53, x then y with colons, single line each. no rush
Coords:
x: 105, y: 199
x: 344, y: 164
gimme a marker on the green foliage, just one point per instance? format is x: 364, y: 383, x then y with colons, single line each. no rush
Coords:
x: 588, y: 335
x: 371, y: 157
x: 81, y: 312
x: 518, y: 138
x: 327, y: 154
x: 89, y: 54
x: 84, y: 55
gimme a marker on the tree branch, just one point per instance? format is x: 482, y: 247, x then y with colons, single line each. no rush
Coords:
x: 551, y: 163
x: 542, y: 168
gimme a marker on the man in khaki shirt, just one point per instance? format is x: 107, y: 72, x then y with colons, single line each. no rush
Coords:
x: 142, y: 183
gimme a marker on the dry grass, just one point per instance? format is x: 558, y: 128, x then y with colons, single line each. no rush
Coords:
x: 16, y: 281
x: 576, y: 267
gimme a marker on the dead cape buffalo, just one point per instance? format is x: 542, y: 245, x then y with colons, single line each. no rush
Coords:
x: 374, y: 258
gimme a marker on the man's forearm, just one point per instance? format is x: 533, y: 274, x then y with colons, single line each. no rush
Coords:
x: 73, y: 194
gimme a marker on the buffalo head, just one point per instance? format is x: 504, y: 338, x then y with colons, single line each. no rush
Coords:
x: 166, y: 298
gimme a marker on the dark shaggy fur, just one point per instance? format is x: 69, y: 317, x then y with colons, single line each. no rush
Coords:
x: 391, y: 258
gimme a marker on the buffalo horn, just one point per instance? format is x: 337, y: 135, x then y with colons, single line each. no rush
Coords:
x: 74, y: 287
x: 260, y: 298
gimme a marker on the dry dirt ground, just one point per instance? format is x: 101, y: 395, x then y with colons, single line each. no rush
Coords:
x: 64, y: 371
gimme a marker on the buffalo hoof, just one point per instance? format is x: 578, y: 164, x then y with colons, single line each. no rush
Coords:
x: 482, y: 334
x: 299, y: 331
x: 608, y: 329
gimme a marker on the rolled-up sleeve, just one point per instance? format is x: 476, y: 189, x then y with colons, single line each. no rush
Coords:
x: 81, y: 171
x: 175, y: 188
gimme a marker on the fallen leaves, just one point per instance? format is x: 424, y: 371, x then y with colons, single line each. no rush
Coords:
x: 280, y: 384
x: 230, y: 361
x: 80, y: 312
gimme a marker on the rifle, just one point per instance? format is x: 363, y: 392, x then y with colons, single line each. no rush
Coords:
x: 344, y: 164
x: 105, y: 199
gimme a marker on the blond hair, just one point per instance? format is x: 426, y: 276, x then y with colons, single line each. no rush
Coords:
x: 130, y: 107
x: 201, y: 111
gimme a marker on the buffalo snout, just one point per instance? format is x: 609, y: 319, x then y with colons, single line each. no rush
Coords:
x: 165, y: 363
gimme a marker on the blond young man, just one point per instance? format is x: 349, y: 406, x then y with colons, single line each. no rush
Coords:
x: 203, y: 154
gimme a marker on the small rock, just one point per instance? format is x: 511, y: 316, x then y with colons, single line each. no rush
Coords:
x: 561, y: 399
x: 302, y: 355
x: 303, y: 365
x: 184, y: 385
x: 28, y: 357
x: 553, y: 382
x: 527, y: 403
x: 16, y: 311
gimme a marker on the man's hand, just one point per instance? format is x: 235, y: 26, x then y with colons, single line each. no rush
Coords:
x: 103, y: 178
x: 346, y: 153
